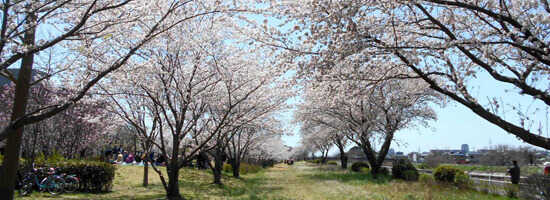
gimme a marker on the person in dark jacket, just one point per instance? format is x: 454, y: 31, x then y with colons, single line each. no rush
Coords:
x: 514, y: 173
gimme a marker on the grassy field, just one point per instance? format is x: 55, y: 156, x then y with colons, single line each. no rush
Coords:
x: 300, y: 181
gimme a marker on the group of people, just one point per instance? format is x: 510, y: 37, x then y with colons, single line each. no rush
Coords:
x: 289, y: 161
x: 117, y: 155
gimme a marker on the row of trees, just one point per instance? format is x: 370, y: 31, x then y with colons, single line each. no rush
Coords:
x: 363, y: 113
x: 489, y: 56
x: 182, y: 74
x: 112, y: 48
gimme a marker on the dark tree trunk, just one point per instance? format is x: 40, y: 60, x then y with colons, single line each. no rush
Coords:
x: 82, y: 153
x: 173, y: 190
x: 173, y: 168
x: 343, y: 158
x: 9, y: 168
x: 146, y: 171
x: 218, y: 166
x: 236, y: 167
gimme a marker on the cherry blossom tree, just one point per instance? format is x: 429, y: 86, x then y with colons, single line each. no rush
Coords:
x: 70, y: 133
x: 369, y: 114
x: 319, y: 137
x: 462, y: 49
x: 96, y: 38
x: 318, y: 125
x: 251, y: 135
x: 272, y: 149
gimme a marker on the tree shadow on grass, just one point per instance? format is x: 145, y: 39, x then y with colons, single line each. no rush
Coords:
x: 254, y: 186
x: 199, y: 185
x: 348, y: 177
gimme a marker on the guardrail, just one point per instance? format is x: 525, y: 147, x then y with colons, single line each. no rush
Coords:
x: 493, y: 178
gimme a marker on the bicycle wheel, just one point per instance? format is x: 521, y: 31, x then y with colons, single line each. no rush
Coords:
x: 54, y: 185
x: 71, y: 184
x: 26, y: 187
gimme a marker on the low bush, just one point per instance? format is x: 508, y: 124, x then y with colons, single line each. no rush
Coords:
x: 536, y: 187
x: 447, y: 174
x: 243, y: 169
x: 227, y: 168
x: 463, y: 181
x: 384, y: 171
x: 249, y: 168
x: 94, y: 176
x: 356, y: 166
x: 332, y: 163
x: 410, y: 175
x: 423, y: 166
x: 313, y: 161
x: 364, y: 170
x: 400, y: 167
x: 426, y: 179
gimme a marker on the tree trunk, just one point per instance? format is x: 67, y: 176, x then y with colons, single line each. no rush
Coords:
x: 375, y: 169
x: 343, y: 158
x: 173, y: 168
x: 173, y: 190
x: 8, y: 172
x: 236, y: 166
x: 146, y: 171
x: 218, y: 166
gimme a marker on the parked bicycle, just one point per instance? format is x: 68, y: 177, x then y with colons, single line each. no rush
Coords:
x: 71, y: 182
x: 54, y: 184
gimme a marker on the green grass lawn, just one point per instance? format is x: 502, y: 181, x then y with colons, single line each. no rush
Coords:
x: 300, y: 181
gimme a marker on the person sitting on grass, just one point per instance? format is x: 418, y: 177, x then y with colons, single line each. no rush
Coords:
x: 160, y: 160
x: 130, y: 158
x: 120, y: 158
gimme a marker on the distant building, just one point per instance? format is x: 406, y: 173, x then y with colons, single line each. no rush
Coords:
x: 391, y: 152
x: 465, y: 148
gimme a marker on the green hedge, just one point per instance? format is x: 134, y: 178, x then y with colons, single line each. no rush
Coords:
x: 94, y: 176
x: 332, y: 163
x: 357, y: 166
x: 243, y: 169
x: 447, y: 173
x: 405, y: 170
x: 314, y: 161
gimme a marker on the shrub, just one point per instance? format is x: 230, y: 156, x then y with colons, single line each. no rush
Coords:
x: 463, y: 181
x: 410, y: 175
x: 332, y: 163
x: 227, y: 168
x: 426, y: 179
x: 356, y: 166
x: 423, y: 166
x: 243, y: 169
x: 399, y: 168
x: 446, y: 173
x: 249, y: 168
x: 313, y: 161
x: 536, y: 187
x: 364, y: 170
x: 94, y: 176
x: 384, y: 171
